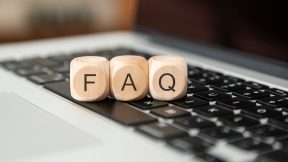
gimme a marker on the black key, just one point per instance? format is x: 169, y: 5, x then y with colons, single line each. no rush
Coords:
x: 266, y: 131
x: 279, y: 121
x: 233, y: 79
x: 45, y: 62
x: 213, y: 95
x: 277, y: 102
x: 61, y: 58
x: 46, y: 78
x: 148, y: 103
x: 209, y: 158
x: 261, y: 111
x: 236, y: 103
x: 116, y: 110
x: 9, y: 64
x: 190, y: 102
x: 13, y: 65
x: 194, y: 122
x: 194, y: 71
x: 278, y: 91
x: 214, y: 80
x: 272, y: 100
x: 252, y: 93
x: 238, y: 121
x: 67, y: 75
x: 212, y: 111
x: 282, y: 103
x: 187, y: 143
x: 231, y: 87
x: 30, y: 71
x: 193, y: 88
x: 213, y: 73
x: 252, y: 144
x: 208, y: 79
x: 284, y: 143
x: 274, y: 156
x: 218, y: 133
x: 161, y: 130
x: 169, y: 112
x: 255, y: 85
x: 64, y: 68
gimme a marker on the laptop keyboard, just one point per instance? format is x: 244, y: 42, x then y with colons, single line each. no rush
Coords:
x: 218, y: 107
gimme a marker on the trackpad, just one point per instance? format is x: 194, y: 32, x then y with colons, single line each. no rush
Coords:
x: 28, y: 131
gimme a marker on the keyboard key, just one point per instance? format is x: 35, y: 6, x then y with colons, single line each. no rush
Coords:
x: 212, y: 111
x: 231, y: 87
x: 9, y: 64
x: 46, y: 78
x: 252, y: 93
x: 278, y: 91
x: 161, y: 130
x: 45, y: 62
x: 148, y: 103
x: 194, y: 71
x: 272, y: 100
x: 233, y: 79
x: 169, y: 112
x: 274, y: 156
x: 115, y: 110
x: 186, y: 143
x: 279, y: 121
x: 213, y: 95
x: 30, y: 71
x: 190, y: 102
x: 261, y: 111
x: 284, y: 144
x: 236, y: 103
x: 255, y: 85
x: 218, y: 133
x: 250, y: 144
x: 209, y: 158
x: 192, y: 122
x: 64, y: 68
x: 238, y: 121
x: 13, y: 65
x: 275, y: 101
x: 214, y: 80
x: 193, y: 88
x: 213, y: 73
x: 266, y: 131
x: 61, y: 58
x: 282, y: 103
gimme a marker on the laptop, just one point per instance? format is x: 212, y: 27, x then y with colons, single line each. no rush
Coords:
x: 235, y: 109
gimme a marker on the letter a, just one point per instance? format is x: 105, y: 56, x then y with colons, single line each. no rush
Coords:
x: 129, y: 84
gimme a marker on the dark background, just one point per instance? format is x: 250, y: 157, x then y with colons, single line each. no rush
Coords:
x: 256, y: 26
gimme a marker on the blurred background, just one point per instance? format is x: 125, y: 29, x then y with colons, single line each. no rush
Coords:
x: 256, y: 26
x: 34, y: 19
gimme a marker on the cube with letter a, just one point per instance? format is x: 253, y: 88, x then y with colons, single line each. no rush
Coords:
x: 128, y: 77
x: 167, y: 77
x: 89, y: 78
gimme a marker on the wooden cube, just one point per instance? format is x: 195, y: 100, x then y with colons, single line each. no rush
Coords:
x: 129, y: 77
x: 167, y: 77
x: 89, y: 78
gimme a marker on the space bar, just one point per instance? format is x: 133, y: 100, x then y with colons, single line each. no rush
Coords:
x: 116, y: 110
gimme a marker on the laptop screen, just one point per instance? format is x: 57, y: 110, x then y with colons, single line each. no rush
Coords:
x: 258, y: 27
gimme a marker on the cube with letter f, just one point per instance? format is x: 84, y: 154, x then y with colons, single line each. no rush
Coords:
x: 89, y: 78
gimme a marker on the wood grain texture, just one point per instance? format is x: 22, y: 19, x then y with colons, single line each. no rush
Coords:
x: 167, y: 77
x: 128, y: 77
x: 89, y: 78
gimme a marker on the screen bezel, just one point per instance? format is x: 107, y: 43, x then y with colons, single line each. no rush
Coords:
x: 244, y: 59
